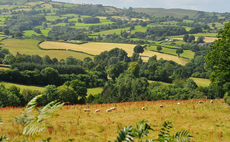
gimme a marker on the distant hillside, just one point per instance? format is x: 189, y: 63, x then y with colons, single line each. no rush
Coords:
x: 170, y: 12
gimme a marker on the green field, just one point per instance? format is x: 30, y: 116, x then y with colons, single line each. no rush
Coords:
x: 2, y: 37
x: 170, y: 12
x: 94, y: 91
x: 199, y: 34
x: 201, y: 81
x: 22, y: 87
x: 53, y: 18
x: 29, y: 46
x: 187, y: 53
x: 30, y: 33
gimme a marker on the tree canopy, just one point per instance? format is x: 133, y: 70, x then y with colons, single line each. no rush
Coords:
x: 218, y: 59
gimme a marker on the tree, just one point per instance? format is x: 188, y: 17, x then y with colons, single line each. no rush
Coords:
x: 191, y: 84
x: 218, y: 61
x: 159, y: 48
x: 191, y: 38
x: 143, y: 24
x: 50, y: 75
x: 179, y: 51
x: 185, y: 38
x: 213, y: 25
x: 79, y: 20
x: 47, y: 60
x: 134, y: 68
x: 67, y: 94
x: 138, y: 49
x: 132, y: 27
x: 200, y: 39
x: 6, y: 32
x: 18, y: 34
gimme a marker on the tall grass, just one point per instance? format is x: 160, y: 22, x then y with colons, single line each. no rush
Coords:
x: 206, y: 122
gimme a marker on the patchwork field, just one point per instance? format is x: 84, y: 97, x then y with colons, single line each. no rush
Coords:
x: 96, y: 48
x: 205, y: 122
x: 94, y: 91
x: 29, y: 46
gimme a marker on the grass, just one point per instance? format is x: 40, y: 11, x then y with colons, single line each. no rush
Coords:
x: 30, y: 33
x: 96, y: 48
x: 29, y: 46
x: 201, y: 81
x: 94, y: 91
x: 53, y: 18
x: 22, y: 87
x: 205, y: 122
x: 2, y: 37
x: 187, y: 53
x: 207, y: 39
x: 199, y: 34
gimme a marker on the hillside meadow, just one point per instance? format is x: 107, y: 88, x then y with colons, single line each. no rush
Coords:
x: 96, y: 48
x: 29, y: 46
x: 205, y: 122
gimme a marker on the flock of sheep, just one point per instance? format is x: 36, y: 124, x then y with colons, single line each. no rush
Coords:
x: 143, y: 108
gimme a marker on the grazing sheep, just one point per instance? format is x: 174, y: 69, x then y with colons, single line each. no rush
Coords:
x: 211, y: 101
x: 109, y: 110
x: 113, y: 108
x: 86, y: 110
x: 200, y: 102
x: 178, y: 103
x: 97, y: 110
x: 161, y: 106
x: 143, y: 108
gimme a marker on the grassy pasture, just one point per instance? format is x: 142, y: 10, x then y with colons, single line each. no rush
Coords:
x: 205, y: 122
x: 94, y: 91
x: 96, y: 48
x: 22, y: 87
x: 207, y: 39
x: 34, y: 3
x: 170, y: 12
x: 201, y: 81
x: 2, y: 37
x: 30, y: 33
x: 4, y: 68
x: 187, y: 53
x: 53, y: 18
x: 29, y: 46
x: 199, y: 34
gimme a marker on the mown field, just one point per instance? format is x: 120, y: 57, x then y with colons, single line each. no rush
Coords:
x: 205, y: 122
x: 29, y: 46
x: 201, y: 81
x: 96, y: 48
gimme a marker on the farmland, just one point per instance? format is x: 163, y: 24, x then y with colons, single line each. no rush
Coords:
x: 100, y: 47
x: 22, y: 87
x: 29, y: 46
x: 205, y: 122
x: 201, y: 81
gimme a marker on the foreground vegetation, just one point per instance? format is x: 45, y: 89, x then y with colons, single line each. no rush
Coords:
x: 205, y: 122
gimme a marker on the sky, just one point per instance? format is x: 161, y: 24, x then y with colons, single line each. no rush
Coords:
x: 220, y: 6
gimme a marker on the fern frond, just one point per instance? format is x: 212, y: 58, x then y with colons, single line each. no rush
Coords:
x: 182, y: 136
x: 125, y: 135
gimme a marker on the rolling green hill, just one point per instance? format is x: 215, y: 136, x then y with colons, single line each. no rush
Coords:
x: 170, y: 12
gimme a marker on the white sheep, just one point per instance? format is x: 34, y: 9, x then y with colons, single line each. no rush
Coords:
x: 109, y: 110
x: 97, y: 110
x: 161, y: 106
x: 143, y: 108
x: 86, y: 110
x: 211, y: 101
x: 113, y: 108
x: 178, y: 103
x: 200, y: 102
